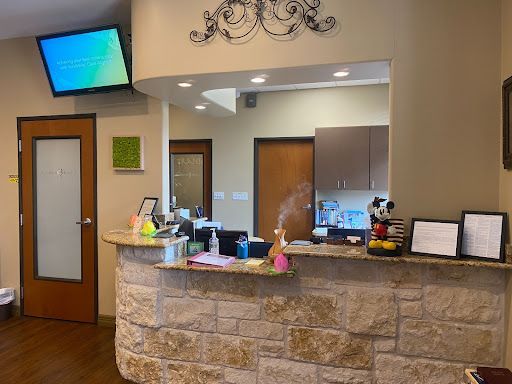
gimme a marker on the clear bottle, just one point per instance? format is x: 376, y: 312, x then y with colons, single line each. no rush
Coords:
x: 214, y: 243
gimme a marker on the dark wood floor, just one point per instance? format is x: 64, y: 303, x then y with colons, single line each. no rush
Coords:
x: 40, y: 351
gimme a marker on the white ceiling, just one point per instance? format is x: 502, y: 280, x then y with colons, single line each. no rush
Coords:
x: 217, y: 91
x: 21, y: 18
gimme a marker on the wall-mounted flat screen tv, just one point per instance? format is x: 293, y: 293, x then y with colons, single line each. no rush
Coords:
x: 85, y: 61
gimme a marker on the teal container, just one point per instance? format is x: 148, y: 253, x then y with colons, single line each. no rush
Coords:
x: 242, y: 250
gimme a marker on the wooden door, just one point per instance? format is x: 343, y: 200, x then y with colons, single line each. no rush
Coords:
x: 199, y: 154
x: 342, y: 158
x: 284, y: 188
x: 58, y: 221
x: 379, y: 157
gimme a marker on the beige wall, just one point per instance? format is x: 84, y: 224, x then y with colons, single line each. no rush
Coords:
x: 366, y: 31
x: 278, y: 114
x: 445, y: 92
x: 506, y: 176
x: 25, y: 92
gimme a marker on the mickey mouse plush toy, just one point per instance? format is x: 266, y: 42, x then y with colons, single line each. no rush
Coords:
x: 381, y: 226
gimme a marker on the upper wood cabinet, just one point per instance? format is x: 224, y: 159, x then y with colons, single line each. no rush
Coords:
x: 348, y: 158
x: 379, y: 157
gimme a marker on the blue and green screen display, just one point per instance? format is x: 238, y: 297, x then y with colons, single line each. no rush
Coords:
x: 85, y: 60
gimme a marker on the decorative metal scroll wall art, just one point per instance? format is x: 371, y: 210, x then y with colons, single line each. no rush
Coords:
x: 237, y: 20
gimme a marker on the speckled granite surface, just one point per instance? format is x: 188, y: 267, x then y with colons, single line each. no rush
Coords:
x: 359, y: 253
x: 129, y: 239
x: 238, y: 267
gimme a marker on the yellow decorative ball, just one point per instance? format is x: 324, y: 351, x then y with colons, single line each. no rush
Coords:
x: 148, y: 229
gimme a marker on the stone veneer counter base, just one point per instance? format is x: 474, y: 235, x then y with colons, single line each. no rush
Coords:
x: 343, y: 319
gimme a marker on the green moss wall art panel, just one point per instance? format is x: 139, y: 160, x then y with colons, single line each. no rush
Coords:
x: 128, y: 153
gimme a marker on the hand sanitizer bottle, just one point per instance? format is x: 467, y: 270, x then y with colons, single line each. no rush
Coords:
x: 214, y: 243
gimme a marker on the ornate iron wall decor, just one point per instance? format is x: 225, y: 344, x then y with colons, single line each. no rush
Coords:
x: 239, y: 19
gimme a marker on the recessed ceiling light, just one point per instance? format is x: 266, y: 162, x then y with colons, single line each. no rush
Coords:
x: 184, y: 85
x: 342, y: 74
x: 200, y: 107
x: 258, y: 80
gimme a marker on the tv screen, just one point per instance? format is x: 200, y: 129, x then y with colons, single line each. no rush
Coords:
x: 86, y: 61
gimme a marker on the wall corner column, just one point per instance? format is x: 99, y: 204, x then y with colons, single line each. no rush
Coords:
x: 165, y: 187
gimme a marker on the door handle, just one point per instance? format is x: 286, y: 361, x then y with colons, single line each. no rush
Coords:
x: 307, y: 206
x: 87, y: 221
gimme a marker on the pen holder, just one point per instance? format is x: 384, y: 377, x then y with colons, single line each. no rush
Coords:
x: 242, y: 250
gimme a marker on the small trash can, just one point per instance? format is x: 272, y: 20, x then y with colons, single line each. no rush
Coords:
x: 6, y: 299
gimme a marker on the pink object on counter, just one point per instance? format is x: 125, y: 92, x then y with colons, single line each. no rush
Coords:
x: 281, y: 263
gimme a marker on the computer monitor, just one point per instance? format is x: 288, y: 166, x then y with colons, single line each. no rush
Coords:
x: 227, y: 240
x: 187, y: 227
x: 260, y: 250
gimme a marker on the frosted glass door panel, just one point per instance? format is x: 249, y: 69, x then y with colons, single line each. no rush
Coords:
x: 187, y: 172
x: 58, y: 208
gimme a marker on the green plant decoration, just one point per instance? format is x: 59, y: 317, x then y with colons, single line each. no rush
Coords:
x: 127, y: 153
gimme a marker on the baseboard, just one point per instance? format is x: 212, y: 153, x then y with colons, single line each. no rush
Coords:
x: 107, y: 321
x: 15, y: 310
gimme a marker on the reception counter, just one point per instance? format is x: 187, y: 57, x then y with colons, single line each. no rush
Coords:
x: 346, y: 317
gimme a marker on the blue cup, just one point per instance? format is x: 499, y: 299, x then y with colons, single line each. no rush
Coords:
x: 242, y: 250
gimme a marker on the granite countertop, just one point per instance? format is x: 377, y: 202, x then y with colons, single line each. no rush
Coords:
x: 359, y: 253
x: 129, y: 239
x: 238, y: 267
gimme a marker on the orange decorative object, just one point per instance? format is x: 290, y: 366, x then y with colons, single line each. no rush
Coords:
x: 279, y: 244
x: 133, y: 220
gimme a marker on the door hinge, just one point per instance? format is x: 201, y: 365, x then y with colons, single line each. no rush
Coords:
x: 19, y: 145
x: 21, y: 219
x: 21, y: 292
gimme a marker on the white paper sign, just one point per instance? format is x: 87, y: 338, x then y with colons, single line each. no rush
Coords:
x: 482, y: 235
x: 435, y: 238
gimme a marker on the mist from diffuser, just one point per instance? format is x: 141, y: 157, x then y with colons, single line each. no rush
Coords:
x: 84, y: 61
x: 289, y: 206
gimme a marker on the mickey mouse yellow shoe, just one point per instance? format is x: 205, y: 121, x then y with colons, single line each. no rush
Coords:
x: 375, y: 244
x: 389, y: 245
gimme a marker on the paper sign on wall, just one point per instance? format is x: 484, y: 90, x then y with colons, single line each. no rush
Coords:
x: 13, y: 179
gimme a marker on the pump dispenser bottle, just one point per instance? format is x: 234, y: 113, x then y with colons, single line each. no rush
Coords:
x: 214, y: 243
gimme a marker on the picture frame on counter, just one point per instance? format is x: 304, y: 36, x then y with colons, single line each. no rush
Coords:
x: 484, y: 235
x: 436, y: 238
x: 147, y: 208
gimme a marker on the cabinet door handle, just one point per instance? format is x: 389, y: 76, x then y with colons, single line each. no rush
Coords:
x: 344, y: 184
x: 338, y: 184
x: 373, y: 184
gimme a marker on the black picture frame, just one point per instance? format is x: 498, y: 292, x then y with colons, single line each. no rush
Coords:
x: 503, y: 235
x: 457, y: 240
x: 155, y: 202
x: 507, y: 123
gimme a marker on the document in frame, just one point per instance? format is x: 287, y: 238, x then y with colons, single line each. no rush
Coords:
x: 482, y: 236
x: 435, y: 238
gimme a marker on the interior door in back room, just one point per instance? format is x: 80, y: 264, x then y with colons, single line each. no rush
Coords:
x: 284, y: 191
x: 58, y: 222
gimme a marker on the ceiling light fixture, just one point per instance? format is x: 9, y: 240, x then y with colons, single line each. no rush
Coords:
x: 342, y: 74
x: 200, y: 107
x: 258, y: 80
x: 184, y: 85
